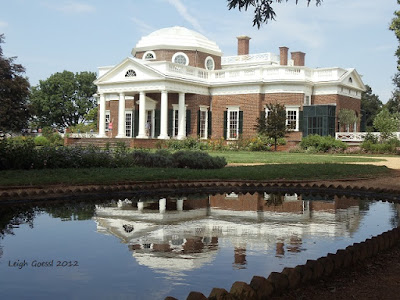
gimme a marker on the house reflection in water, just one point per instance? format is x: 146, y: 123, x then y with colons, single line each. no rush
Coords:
x: 171, y: 235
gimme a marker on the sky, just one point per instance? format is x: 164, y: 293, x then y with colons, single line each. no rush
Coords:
x: 50, y: 36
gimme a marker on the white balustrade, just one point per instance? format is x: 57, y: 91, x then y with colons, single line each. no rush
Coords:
x: 267, y: 72
x: 359, y: 136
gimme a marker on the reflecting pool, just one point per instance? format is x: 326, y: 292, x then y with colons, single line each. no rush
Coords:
x: 153, y: 248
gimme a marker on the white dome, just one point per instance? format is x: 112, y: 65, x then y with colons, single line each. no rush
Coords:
x: 177, y: 38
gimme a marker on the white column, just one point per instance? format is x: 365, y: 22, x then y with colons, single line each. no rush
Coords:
x: 140, y: 206
x: 162, y: 205
x: 181, y: 117
x: 179, y: 204
x: 102, y: 121
x: 164, y: 116
x: 121, y: 116
x: 142, y: 116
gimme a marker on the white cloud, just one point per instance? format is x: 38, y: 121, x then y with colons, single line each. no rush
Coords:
x: 183, y: 11
x: 74, y: 7
x: 143, y: 27
x: 3, y: 24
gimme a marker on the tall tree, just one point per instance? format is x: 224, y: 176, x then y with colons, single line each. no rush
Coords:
x: 371, y: 106
x: 387, y: 123
x: 263, y: 10
x: 395, y: 27
x: 14, y: 91
x: 276, y: 122
x: 64, y: 99
x: 393, y: 104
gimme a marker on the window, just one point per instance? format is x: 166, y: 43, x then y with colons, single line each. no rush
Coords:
x: 107, y: 120
x: 350, y: 80
x: 180, y: 58
x: 292, y: 118
x: 203, y: 120
x: 149, y: 55
x: 130, y: 73
x: 233, y: 124
x: 128, y: 124
x: 209, y: 63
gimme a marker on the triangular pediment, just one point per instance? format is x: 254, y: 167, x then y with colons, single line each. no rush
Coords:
x: 352, y: 79
x: 129, y: 70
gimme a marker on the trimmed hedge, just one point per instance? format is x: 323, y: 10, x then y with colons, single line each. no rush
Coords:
x: 23, y: 154
x: 317, y: 143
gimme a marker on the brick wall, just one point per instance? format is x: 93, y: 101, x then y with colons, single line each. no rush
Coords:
x: 243, y: 45
x: 196, y: 58
x: 248, y: 103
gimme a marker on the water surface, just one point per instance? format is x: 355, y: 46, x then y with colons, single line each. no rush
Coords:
x: 134, y: 249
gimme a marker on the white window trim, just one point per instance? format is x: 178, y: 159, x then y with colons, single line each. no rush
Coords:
x: 183, y: 54
x: 205, y: 108
x: 297, y: 110
x: 109, y: 117
x: 228, y: 118
x: 131, y: 129
x: 205, y: 63
x: 149, y: 52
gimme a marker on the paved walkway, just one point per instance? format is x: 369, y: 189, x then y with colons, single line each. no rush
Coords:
x: 392, y: 162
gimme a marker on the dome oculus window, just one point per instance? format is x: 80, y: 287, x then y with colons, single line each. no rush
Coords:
x: 149, y: 55
x: 209, y: 63
x: 180, y: 58
x: 130, y: 73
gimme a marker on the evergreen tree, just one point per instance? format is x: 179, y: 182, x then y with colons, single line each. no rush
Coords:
x: 371, y: 106
x: 276, y: 122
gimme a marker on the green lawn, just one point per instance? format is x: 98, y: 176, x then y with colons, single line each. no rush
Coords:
x: 118, y: 175
x: 287, y: 158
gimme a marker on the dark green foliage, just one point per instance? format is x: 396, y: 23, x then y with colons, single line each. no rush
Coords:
x: 17, y: 153
x: 371, y: 105
x: 159, y: 159
x: 197, y: 160
x: 276, y: 122
x: 64, y: 99
x: 317, y: 143
x: 14, y: 91
x: 372, y: 145
x: 263, y: 11
x: 21, y: 153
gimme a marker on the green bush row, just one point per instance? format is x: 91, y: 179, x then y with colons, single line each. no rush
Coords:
x: 22, y: 153
x: 257, y: 143
x: 317, y: 143
x: 373, y: 146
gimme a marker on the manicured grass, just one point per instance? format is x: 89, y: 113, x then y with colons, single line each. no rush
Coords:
x: 263, y: 172
x: 287, y: 158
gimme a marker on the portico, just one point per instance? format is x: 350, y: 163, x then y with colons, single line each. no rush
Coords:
x: 152, y: 115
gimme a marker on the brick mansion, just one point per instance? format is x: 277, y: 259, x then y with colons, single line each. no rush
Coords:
x: 177, y: 84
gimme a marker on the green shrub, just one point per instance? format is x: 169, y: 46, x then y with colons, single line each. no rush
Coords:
x: 197, y: 160
x: 41, y: 141
x: 381, y: 148
x: 316, y: 143
x: 159, y: 159
x: 17, y: 153
x: 189, y: 143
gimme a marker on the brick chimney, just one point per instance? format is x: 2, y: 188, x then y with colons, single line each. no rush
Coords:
x: 283, y: 55
x: 298, y: 58
x: 243, y: 45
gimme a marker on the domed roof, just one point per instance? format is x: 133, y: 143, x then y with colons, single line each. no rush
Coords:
x: 176, y: 38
